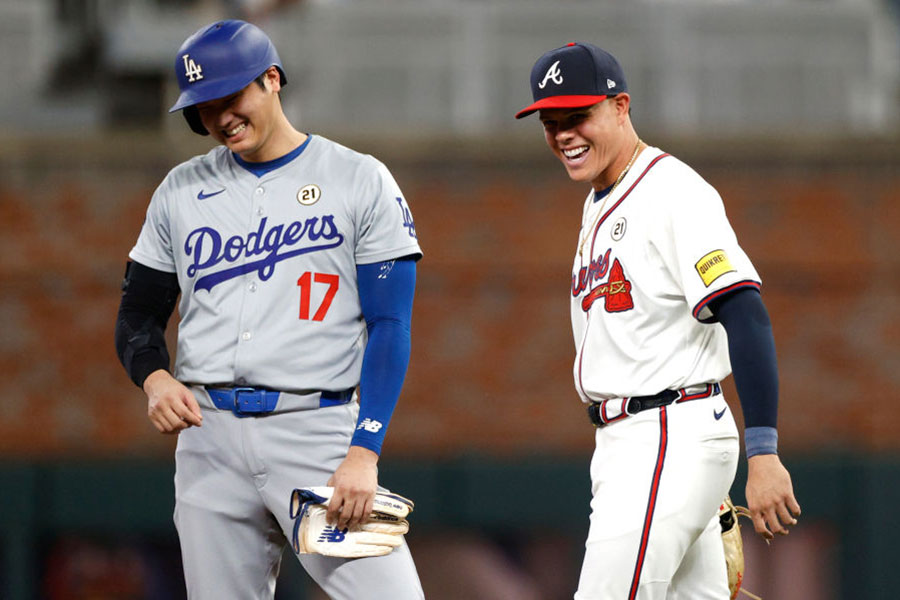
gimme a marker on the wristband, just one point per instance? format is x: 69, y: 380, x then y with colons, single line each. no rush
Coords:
x: 761, y: 440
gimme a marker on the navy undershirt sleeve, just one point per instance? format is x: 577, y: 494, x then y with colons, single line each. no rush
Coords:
x: 386, y: 292
x: 751, y: 348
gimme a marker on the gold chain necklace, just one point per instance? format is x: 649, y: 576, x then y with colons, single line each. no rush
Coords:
x: 587, y: 234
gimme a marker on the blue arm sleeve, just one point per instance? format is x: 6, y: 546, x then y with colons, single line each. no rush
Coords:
x: 751, y: 348
x: 386, y: 292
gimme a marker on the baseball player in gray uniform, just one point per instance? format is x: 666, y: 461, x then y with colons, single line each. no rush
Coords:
x: 294, y: 259
x: 664, y: 305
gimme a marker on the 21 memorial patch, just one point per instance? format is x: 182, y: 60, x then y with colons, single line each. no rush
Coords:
x: 712, y: 266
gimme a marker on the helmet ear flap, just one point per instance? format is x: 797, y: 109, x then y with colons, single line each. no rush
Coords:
x: 192, y: 116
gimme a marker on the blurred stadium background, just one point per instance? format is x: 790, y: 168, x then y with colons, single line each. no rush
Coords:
x: 789, y: 107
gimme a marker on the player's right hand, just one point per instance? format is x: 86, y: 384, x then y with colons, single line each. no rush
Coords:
x: 770, y: 496
x: 355, y: 482
x: 171, y: 407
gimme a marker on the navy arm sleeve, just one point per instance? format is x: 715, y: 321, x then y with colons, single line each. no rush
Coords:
x: 386, y: 292
x: 148, y: 300
x: 751, y: 348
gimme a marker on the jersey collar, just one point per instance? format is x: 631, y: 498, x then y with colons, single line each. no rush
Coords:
x: 261, y: 168
x: 600, y: 194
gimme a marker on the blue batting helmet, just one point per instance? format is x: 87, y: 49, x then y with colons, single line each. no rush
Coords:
x: 219, y: 60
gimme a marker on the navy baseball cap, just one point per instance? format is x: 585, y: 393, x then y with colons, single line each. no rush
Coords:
x: 576, y: 75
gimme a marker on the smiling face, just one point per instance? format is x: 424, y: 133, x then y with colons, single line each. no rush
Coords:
x: 248, y: 122
x: 594, y: 143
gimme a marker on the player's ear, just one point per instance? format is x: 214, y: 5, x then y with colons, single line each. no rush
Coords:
x: 623, y: 104
x: 273, y: 78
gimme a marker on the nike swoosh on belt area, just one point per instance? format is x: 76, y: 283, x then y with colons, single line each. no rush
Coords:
x: 202, y: 196
x: 718, y: 415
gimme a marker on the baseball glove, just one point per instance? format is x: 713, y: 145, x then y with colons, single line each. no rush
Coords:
x: 734, y: 546
x: 378, y: 535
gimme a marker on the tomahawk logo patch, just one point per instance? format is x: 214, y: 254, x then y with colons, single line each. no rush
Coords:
x: 616, y: 292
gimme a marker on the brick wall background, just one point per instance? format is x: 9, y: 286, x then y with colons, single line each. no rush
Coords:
x: 492, y: 347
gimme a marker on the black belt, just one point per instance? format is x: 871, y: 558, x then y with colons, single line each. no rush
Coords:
x: 598, y: 411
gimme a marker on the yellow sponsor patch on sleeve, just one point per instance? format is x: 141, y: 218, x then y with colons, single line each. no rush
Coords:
x: 712, y: 266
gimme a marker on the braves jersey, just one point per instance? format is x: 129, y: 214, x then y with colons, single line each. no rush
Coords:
x: 267, y: 265
x: 654, y: 254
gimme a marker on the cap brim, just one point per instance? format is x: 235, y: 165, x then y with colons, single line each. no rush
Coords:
x: 560, y: 102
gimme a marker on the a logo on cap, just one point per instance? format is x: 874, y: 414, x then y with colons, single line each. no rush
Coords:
x: 610, y: 83
x: 192, y: 70
x: 553, y: 74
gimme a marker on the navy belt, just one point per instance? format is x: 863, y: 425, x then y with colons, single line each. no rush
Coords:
x: 248, y: 401
x: 631, y: 406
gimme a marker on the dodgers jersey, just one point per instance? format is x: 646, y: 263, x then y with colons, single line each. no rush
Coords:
x: 654, y: 254
x: 267, y: 265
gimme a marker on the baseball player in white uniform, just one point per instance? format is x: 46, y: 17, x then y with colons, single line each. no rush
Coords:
x: 294, y: 258
x: 664, y: 305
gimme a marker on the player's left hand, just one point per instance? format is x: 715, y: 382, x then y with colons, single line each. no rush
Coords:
x: 770, y: 496
x: 355, y: 482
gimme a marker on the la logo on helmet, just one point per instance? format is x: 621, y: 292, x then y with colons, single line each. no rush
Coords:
x: 553, y: 74
x: 192, y: 70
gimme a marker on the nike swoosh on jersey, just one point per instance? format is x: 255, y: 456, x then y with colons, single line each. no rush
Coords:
x: 202, y: 196
x: 718, y: 415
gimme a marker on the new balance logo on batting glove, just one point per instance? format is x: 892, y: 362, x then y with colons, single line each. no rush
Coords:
x: 333, y: 534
